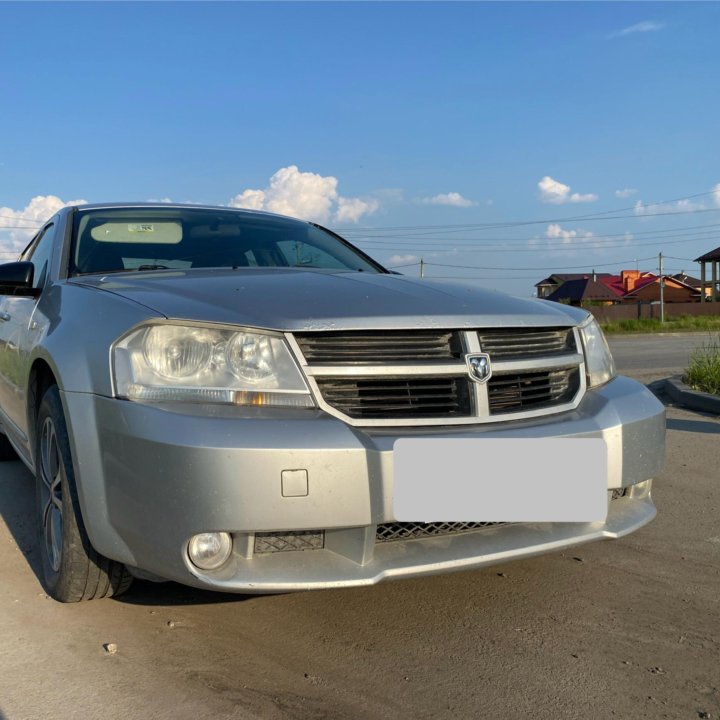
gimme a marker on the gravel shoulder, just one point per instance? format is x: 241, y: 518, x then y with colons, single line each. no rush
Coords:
x: 627, y: 628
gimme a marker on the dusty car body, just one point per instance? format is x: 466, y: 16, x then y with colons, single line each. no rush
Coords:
x: 214, y: 397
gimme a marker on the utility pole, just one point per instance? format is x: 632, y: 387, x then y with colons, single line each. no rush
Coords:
x: 662, y: 291
x: 422, y: 268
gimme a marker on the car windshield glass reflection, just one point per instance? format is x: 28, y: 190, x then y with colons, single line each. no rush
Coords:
x: 124, y: 240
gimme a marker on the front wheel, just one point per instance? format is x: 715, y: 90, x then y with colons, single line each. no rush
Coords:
x: 71, y: 569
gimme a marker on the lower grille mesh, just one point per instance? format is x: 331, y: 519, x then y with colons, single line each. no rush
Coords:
x: 390, y: 532
x: 267, y: 542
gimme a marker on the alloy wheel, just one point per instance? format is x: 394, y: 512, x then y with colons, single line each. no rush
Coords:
x: 51, y: 499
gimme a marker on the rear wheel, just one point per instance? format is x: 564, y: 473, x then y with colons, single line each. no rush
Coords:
x: 71, y: 569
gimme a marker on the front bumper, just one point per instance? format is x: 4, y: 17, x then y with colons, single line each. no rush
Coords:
x: 149, y: 477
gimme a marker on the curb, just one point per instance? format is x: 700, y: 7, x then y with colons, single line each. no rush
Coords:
x: 681, y: 393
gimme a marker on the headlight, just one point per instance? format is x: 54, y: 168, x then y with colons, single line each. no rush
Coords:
x: 172, y: 362
x: 599, y: 364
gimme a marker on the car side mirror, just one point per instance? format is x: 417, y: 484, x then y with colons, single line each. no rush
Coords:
x: 16, y: 278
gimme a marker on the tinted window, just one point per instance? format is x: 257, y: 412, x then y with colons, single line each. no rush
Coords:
x: 39, y: 254
x: 116, y: 240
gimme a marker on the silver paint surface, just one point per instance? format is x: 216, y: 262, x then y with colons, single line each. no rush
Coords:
x: 150, y: 476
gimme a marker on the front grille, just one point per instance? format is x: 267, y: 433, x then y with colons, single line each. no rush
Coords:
x: 532, y: 390
x: 416, y: 397
x: 390, y: 532
x: 527, y: 342
x: 421, y: 377
x: 378, y: 347
x: 268, y: 542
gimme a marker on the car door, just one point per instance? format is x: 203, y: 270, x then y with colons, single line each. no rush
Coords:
x: 20, y: 328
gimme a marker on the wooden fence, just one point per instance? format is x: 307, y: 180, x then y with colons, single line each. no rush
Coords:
x: 607, y: 313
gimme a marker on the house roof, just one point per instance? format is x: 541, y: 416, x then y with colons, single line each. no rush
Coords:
x: 687, y: 279
x: 641, y: 282
x: 583, y: 288
x: 559, y: 278
x: 713, y: 255
x: 644, y: 282
x: 614, y: 283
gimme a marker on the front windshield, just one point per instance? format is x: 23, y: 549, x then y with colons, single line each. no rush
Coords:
x: 159, y: 238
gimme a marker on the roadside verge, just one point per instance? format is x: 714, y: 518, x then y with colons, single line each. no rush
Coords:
x: 682, y: 394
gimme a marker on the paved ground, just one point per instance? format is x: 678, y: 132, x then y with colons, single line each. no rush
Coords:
x: 661, y: 354
x: 626, y: 629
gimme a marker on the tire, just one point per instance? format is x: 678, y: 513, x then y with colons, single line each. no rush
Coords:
x: 7, y: 451
x: 71, y: 569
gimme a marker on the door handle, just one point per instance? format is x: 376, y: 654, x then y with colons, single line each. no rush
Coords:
x: 4, y: 317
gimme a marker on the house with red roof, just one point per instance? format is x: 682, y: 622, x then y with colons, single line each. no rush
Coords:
x: 629, y: 287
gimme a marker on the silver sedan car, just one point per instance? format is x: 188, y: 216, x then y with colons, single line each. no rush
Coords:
x: 246, y: 402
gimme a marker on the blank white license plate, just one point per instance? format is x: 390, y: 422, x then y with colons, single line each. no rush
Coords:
x: 500, y: 480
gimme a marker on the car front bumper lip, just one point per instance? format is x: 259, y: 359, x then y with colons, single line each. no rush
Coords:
x: 318, y: 569
x: 149, y: 477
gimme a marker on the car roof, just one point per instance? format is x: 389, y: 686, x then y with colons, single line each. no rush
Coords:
x: 178, y: 206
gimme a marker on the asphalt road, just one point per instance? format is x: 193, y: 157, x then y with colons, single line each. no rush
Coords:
x: 621, y: 629
x: 661, y: 354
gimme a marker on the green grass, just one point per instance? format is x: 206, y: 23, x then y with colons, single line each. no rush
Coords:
x: 703, y: 373
x: 684, y: 323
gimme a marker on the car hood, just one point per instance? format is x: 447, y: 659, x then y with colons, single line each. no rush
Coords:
x: 304, y: 299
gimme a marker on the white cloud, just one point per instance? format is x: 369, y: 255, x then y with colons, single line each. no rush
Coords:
x: 556, y: 231
x: 557, y: 193
x: 452, y: 198
x: 352, y: 209
x: 641, y: 27
x: 402, y: 259
x: 663, y: 208
x: 18, y: 226
x: 250, y: 199
x: 625, y: 192
x: 305, y: 195
x: 716, y: 194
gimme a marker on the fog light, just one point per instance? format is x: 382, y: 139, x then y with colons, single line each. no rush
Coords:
x: 208, y: 551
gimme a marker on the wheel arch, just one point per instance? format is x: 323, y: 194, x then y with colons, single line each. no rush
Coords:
x: 42, y: 376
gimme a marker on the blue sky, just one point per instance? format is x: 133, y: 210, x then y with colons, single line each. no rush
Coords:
x: 369, y: 116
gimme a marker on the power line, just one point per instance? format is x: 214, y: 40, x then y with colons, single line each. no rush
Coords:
x: 539, y: 248
x: 554, y: 267
x: 17, y: 227
x: 15, y: 217
x: 590, y: 217
x: 675, y: 231
x: 587, y: 218
x: 547, y: 247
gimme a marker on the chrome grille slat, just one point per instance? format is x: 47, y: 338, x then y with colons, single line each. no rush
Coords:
x: 531, y: 390
x: 369, y: 347
x: 527, y: 342
x: 415, y: 396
